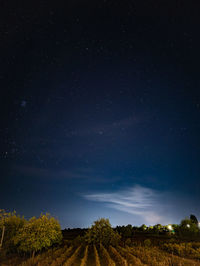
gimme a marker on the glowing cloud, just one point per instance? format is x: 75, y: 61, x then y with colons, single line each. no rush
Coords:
x: 137, y: 201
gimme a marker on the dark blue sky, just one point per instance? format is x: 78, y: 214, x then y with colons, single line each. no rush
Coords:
x: 100, y: 111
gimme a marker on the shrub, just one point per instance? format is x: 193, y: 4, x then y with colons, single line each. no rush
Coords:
x: 12, y: 224
x: 188, y: 228
x: 101, y: 232
x: 147, y: 243
x: 37, y: 234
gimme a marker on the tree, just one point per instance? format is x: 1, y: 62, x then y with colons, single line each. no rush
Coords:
x: 10, y: 224
x: 158, y: 228
x: 143, y: 227
x: 38, y: 234
x: 188, y: 228
x: 193, y: 218
x: 101, y: 232
x: 128, y: 231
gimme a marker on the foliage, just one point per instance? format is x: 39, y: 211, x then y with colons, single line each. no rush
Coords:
x: 125, y: 231
x: 158, y: 228
x: 37, y: 234
x: 143, y: 227
x: 147, y: 243
x: 193, y: 219
x: 102, y: 232
x: 188, y: 228
x: 12, y: 223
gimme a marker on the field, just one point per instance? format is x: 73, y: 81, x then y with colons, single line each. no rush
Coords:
x: 93, y: 255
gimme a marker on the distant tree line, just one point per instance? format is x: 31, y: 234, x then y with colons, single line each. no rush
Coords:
x: 189, y: 227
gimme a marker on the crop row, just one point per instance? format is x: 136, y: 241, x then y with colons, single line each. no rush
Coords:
x: 117, y: 257
x: 96, y: 255
x: 106, y: 256
x: 72, y: 259
x: 110, y: 256
x: 154, y: 256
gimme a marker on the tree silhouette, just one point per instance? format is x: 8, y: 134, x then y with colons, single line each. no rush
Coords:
x: 193, y: 218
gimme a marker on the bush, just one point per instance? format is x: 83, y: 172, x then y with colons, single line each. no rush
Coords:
x: 38, y: 234
x: 101, y: 232
x: 188, y: 228
x: 12, y: 224
x: 147, y: 243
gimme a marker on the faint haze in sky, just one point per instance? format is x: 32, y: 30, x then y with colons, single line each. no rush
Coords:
x: 100, y: 111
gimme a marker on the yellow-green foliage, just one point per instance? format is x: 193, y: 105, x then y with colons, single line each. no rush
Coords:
x: 120, y: 261
x: 147, y: 243
x: 84, y: 259
x: 72, y: 259
x: 37, y: 234
x: 102, y: 232
x: 12, y: 223
x: 97, y: 260
x: 188, y: 228
x: 106, y: 256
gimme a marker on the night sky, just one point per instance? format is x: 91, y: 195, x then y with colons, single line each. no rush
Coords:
x: 100, y: 110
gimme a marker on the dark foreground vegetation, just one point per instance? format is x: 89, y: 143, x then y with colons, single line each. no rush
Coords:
x: 40, y: 241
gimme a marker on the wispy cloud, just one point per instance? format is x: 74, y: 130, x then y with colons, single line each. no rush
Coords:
x: 138, y: 200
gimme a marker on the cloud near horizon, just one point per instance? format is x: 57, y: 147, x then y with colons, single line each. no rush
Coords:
x: 150, y: 205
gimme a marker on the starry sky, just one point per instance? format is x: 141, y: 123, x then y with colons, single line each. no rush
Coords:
x: 100, y: 110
